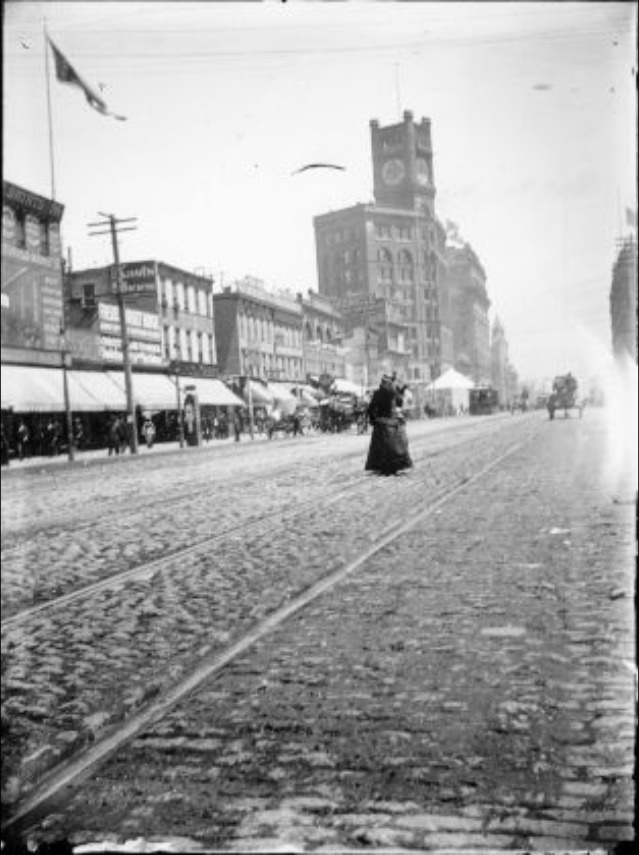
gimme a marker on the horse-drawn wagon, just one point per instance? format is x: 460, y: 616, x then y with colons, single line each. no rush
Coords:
x: 564, y: 396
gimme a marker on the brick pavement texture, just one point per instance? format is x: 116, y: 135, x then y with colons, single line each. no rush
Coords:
x: 73, y: 673
x: 470, y: 687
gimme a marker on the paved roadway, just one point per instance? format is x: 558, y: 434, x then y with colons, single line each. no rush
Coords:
x: 469, y: 685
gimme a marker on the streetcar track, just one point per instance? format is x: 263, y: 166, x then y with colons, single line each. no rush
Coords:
x: 71, y: 772
x: 145, y: 569
x: 55, y: 524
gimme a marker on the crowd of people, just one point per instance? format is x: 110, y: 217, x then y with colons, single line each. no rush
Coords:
x: 35, y: 435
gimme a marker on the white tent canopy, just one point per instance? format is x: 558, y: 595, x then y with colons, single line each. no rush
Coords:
x: 346, y: 387
x: 451, y: 379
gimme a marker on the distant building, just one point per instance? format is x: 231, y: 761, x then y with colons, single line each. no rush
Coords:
x: 469, y: 304
x: 623, y: 301
x: 391, y: 249
x: 169, y: 316
x: 258, y: 333
x: 32, y: 293
x: 322, y: 337
x: 500, y: 376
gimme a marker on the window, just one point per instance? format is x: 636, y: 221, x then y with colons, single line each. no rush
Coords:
x: 202, y: 301
x: 179, y: 295
x: 405, y: 266
x: 44, y: 238
x: 88, y: 295
x: 20, y: 230
x: 168, y: 293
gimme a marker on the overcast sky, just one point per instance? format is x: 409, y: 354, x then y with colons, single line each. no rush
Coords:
x: 533, y: 111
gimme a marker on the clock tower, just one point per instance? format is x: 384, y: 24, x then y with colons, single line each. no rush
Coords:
x: 403, y: 164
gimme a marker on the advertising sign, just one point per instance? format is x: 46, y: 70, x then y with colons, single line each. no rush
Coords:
x: 31, y: 301
x: 143, y: 330
x: 138, y: 277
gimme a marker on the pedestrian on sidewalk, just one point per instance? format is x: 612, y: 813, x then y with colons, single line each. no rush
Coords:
x: 22, y: 440
x: 113, y: 437
x: 237, y: 426
x: 148, y: 432
x: 5, y: 447
x: 388, y: 450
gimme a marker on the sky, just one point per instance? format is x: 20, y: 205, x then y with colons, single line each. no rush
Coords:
x: 533, y: 110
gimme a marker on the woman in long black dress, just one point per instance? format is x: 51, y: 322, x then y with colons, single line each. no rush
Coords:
x: 388, y: 450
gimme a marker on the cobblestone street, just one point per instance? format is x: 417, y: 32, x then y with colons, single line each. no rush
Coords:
x: 469, y: 684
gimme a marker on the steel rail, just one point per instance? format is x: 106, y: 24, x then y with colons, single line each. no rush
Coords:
x: 55, y: 523
x: 140, y: 571
x: 71, y: 772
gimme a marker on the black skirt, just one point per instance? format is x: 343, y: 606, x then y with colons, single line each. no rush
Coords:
x: 388, y: 450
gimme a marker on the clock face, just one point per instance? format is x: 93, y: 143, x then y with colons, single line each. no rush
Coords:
x: 393, y: 171
x: 423, y: 176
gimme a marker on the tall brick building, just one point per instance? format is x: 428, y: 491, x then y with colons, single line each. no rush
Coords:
x: 392, y: 249
x: 469, y: 304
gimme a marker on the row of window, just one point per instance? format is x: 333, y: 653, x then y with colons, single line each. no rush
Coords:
x: 391, y: 231
x: 189, y: 298
x: 323, y: 334
x: 188, y: 345
x: 262, y: 330
x: 269, y: 365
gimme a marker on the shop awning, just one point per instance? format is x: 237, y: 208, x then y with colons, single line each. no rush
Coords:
x: 260, y: 394
x: 282, y: 398
x: 306, y: 394
x: 212, y: 392
x: 95, y: 390
x: 150, y: 391
x: 31, y: 389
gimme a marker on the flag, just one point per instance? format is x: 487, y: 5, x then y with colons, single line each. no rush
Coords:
x: 66, y: 73
x: 631, y: 217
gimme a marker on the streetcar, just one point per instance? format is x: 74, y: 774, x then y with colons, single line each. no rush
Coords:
x: 483, y: 401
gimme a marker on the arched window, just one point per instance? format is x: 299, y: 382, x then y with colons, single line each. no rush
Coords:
x: 405, y: 266
x: 308, y: 331
x: 385, y: 262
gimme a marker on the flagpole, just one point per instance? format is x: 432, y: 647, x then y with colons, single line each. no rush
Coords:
x: 49, y: 111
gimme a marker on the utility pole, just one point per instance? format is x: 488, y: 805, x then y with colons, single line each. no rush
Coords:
x: 111, y: 223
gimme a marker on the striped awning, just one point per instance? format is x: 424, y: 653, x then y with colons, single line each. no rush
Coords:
x: 211, y: 392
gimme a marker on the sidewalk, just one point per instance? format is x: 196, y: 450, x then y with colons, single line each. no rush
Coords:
x: 102, y: 454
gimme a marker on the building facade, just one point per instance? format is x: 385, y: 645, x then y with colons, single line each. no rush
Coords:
x: 32, y: 286
x: 169, y: 315
x: 469, y: 304
x: 259, y: 333
x: 623, y: 301
x: 322, y: 337
x: 392, y: 249
x: 499, y: 363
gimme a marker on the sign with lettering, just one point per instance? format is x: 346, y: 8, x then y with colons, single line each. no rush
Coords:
x: 138, y: 277
x: 143, y: 331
